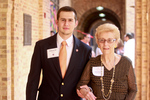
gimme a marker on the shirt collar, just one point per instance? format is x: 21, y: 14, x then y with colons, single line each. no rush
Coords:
x: 69, y: 40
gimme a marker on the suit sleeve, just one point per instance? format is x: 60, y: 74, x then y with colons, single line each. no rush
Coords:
x: 34, y: 74
x: 85, y: 78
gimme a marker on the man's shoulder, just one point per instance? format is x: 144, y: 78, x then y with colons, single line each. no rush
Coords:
x: 47, y: 40
x: 82, y: 44
x: 85, y: 45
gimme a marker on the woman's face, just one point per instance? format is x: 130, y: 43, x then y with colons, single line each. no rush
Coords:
x: 107, y: 42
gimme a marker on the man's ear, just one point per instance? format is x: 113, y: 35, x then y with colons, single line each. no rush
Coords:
x: 76, y: 23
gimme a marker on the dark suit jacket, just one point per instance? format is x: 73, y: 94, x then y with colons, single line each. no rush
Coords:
x: 53, y: 86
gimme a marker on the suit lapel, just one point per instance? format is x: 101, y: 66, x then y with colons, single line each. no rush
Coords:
x: 55, y: 61
x: 74, y: 56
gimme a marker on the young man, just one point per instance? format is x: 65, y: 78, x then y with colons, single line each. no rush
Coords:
x: 56, y: 85
x: 86, y: 39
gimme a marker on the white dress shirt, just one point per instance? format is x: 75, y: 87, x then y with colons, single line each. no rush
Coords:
x: 129, y: 50
x: 69, y: 46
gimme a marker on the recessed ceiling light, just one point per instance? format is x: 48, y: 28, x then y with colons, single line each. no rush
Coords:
x: 99, y: 8
x: 103, y: 19
x: 102, y: 15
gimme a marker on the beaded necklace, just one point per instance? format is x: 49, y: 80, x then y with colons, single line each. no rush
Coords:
x: 107, y: 96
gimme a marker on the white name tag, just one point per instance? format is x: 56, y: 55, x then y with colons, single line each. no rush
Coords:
x: 51, y: 53
x: 98, y: 71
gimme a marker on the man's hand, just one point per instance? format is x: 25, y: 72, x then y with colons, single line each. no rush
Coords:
x: 80, y: 94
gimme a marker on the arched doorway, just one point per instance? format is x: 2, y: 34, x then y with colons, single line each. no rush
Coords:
x: 90, y: 20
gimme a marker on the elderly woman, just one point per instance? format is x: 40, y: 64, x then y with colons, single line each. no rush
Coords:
x: 111, y: 76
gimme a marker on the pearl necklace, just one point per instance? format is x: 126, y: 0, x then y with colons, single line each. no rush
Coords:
x: 107, y: 96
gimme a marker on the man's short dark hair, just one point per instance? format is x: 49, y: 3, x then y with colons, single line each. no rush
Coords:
x: 67, y: 9
x: 132, y: 35
x: 53, y: 32
x: 129, y: 35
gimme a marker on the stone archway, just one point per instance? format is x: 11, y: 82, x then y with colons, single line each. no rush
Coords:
x: 90, y: 20
x: 88, y: 7
x: 91, y: 16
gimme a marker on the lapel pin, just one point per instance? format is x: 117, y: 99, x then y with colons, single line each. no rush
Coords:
x: 76, y: 50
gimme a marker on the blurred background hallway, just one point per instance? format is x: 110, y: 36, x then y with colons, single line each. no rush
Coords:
x: 23, y: 22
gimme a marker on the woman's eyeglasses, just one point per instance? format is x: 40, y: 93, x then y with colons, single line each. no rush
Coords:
x: 110, y: 40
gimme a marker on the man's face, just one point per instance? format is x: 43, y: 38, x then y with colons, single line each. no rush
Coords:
x: 66, y: 23
x: 126, y: 38
x: 88, y: 38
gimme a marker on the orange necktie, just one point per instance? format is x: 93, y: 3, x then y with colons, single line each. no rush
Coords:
x: 63, y: 58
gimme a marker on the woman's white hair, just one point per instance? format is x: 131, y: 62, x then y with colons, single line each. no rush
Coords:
x: 108, y: 27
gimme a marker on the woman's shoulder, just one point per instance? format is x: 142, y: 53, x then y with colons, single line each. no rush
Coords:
x: 126, y: 59
x: 95, y: 59
x: 125, y: 62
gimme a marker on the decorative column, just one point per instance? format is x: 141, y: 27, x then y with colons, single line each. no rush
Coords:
x: 142, y: 35
x: 5, y: 49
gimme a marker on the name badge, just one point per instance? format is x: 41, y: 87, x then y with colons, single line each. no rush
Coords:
x: 51, y: 53
x: 98, y: 71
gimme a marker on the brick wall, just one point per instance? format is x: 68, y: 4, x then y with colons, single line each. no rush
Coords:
x: 14, y: 56
x: 21, y: 55
x: 44, y: 18
x: 64, y: 3
x: 130, y: 16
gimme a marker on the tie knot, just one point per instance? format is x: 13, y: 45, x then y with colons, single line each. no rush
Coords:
x: 64, y: 43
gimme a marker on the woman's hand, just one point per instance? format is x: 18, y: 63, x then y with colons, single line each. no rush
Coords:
x: 85, y: 92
